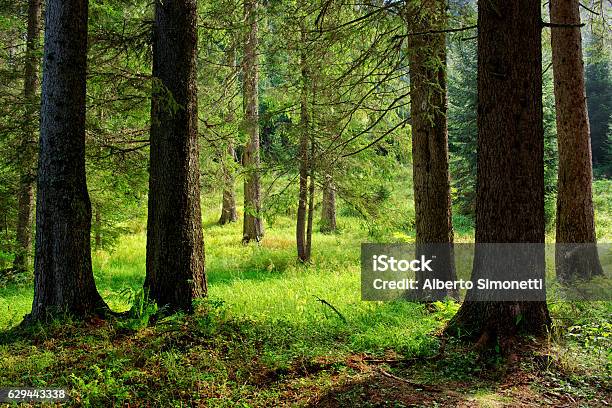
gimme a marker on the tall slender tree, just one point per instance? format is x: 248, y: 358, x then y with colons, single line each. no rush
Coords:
x: 428, y: 111
x: 253, y: 226
x: 63, y: 278
x: 228, y: 157
x: 575, y: 215
x: 175, y: 246
x: 510, y: 179
x: 302, y: 238
x: 28, y: 143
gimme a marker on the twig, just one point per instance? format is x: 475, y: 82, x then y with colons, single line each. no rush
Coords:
x: 547, y: 68
x: 447, y: 30
x: 588, y: 9
x: 557, y: 25
x: 325, y: 302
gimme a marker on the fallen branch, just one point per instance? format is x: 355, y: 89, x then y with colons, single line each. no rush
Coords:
x: 325, y: 302
x: 412, y: 383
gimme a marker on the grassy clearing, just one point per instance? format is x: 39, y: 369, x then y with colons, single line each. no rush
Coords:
x: 263, y: 339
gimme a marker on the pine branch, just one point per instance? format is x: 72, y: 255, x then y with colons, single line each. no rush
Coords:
x: 557, y: 25
x: 448, y: 30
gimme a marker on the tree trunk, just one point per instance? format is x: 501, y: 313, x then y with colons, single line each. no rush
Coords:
x: 328, y: 207
x: 301, y: 236
x: 428, y: 110
x: 510, y: 182
x: 228, y: 208
x: 27, y: 150
x: 175, y: 246
x: 253, y: 227
x: 63, y: 278
x: 311, y: 197
x: 575, y: 218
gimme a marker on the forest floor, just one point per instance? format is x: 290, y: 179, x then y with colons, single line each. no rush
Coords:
x: 263, y: 338
x: 213, y: 360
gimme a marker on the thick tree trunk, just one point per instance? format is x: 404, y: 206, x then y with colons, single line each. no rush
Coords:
x: 253, y: 226
x: 575, y: 218
x: 64, y: 280
x: 328, y: 207
x: 175, y: 246
x: 301, y: 235
x: 428, y: 111
x: 510, y: 182
x: 27, y: 152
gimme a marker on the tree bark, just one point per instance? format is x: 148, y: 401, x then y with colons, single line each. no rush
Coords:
x: 228, y: 158
x: 63, y: 278
x: 253, y: 226
x: 311, y: 198
x: 428, y: 110
x: 510, y: 180
x: 27, y: 152
x: 575, y: 216
x: 228, y: 207
x: 301, y: 235
x: 175, y: 246
x: 328, y: 207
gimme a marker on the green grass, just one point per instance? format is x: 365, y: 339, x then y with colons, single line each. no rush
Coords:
x: 263, y: 337
x: 602, y: 201
x: 263, y: 310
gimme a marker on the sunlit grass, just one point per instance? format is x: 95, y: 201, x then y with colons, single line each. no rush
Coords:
x: 264, y: 318
x: 265, y: 282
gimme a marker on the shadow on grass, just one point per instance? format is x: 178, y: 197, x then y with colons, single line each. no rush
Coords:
x: 257, y: 268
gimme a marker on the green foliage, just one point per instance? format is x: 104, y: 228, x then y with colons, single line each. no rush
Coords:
x: 602, y: 201
x: 462, y: 129
x: 140, y: 313
x: 599, y: 97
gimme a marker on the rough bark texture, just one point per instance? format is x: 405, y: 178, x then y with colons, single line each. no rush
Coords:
x: 428, y: 111
x: 228, y: 207
x: 328, y: 207
x: 575, y: 218
x: 27, y: 151
x: 175, y: 246
x: 510, y: 181
x: 253, y: 226
x: 301, y: 237
x: 63, y: 278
